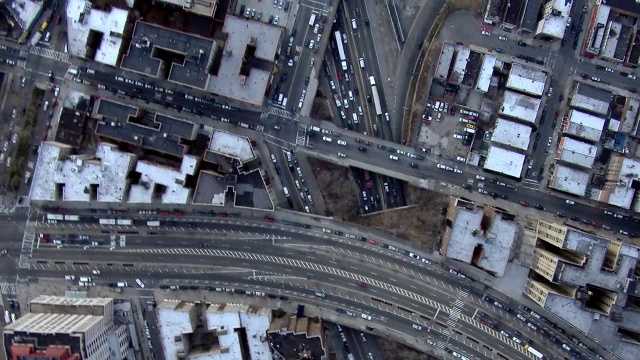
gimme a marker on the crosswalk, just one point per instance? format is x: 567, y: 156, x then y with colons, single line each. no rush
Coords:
x: 264, y: 116
x: 531, y: 184
x: 282, y: 113
x: 7, y: 289
x: 27, y: 248
x: 454, y: 315
x: 301, y: 136
x: 49, y: 53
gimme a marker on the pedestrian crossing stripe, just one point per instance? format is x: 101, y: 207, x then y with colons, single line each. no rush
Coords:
x: 49, y: 53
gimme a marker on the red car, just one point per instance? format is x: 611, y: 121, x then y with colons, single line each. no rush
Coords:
x: 372, y: 241
x: 358, y: 11
x: 269, y: 219
x: 178, y: 213
x: 362, y: 284
x: 340, y: 75
x: 524, y: 203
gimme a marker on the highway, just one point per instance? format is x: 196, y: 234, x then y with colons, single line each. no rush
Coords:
x: 278, y: 257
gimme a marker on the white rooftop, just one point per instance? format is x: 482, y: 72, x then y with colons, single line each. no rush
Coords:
x: 555, y: 24
x: 444, y: 62
x: 570, y: 180
x: 526, y: 79
x: 598, y: 32
x: 622, y: 195
x: 582, y: 101
x: 585, y: 125
x: 77, y: 175
x: 577, y: 152
x: 611, y: 42
x: 460, y: 65
x: 174, y: 320
x: 26, y: 11
x: 504, y: 161
x: 496, y: 242
x: 484, y: 78
x: 520, y: 106
x: 173, y: 180
x: 512, y: 134
x: 111, y: 24
x: 234, y: 146
x: 55, y: 323
x: 240, y: 32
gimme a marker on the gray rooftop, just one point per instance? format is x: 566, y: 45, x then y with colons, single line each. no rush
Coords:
x: 151, y: 131
x: 530, y: 17
x: 444, y: 63
x: 194, y: 52
x: 247, y: 61
x: 496, y: 242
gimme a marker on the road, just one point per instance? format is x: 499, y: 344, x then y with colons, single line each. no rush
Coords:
x: 258, y: 254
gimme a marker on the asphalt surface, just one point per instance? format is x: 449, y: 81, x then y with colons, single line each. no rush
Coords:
x: 270, y: 255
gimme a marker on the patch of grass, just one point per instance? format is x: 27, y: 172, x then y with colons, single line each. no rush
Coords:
x: 24, y: 140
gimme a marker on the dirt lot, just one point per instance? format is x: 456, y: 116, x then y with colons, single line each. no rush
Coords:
x: 395, y: 350
x: 338, y: 189
x: 418, y: 223
x: 320, y: 108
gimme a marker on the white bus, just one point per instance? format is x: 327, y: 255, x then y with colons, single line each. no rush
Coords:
x: 343, y: 58
x: 312, y: 20
x: 153, y: 223
x: 376, y: 99
x: 107, y: 221
x: 124, y: 222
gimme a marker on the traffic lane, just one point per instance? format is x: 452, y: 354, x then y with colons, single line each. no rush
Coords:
x: 335, y: 282
x: 527, y: 195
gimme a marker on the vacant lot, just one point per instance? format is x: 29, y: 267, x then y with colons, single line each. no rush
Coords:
x: 396, y: 350
x: 338, y: 189
x: 419, y: 222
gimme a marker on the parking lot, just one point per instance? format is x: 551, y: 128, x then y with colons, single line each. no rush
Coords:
x: 273, y: 12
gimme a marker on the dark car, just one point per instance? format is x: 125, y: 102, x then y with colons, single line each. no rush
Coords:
x: 522, y: 43
x: 538, y: 206
x: 632, y: 89
x: 559, y: 214
x: 362, y: 148
x: 413, y: 165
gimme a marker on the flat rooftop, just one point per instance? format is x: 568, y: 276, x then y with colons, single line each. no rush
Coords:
x: 592, y: 99
x: 460, y: 65
x: 192, y: 51
x: 623, y: 193
x: 570, y: 180
x: 585, y: 125
x: 504, y: 161
x: 530, y: 16
x: 555, y: 25
x: 61, y: 176
x: 486, y: 71
x: 157, y: 132
x: 527, y: 79
x: 496, y: 242
x: 444, y: 62
x: 52, y: 323
x: 512, y: 134
x: 231, y: 145
x: 577, y: 152
x: 204, y: 8
x: 520, y: 106
x: 249, y: 57
x: 154, y: 176
x: 83, y: 20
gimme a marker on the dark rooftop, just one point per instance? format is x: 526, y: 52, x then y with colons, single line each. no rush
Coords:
x: 292, y: 346
x: 514, y: 11
x: 147, y: 130
x: 186, y: 55
x: 530, y: 16
x: 624, y: 40
x: 496, y: 10
x: 71, y: 127
x: 594, y: 92
x: 630, y: 6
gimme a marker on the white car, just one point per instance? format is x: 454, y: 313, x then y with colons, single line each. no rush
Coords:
x: 275, y: 21
x: 46, y: 106
x: 416, y: 326
x: 56, y: 91
x: 631, y: 76
x: 316, y: 28
x: 480, y: 177
x: 597, y: 79
x: 503, y: 38
x: 306, y: 209
x: 440, y: 166
x: 456, y: 136
x: 342, y: 142
x: 570, y: 202
x: 393, y: 157
x: 609, y: 70
x: 342, y: 155
x: 290, y: 63
x: 311, y: 43
x: 461, y: 159
x: 457, y: 171
x: 486, y: 33
x: 333, y: 85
